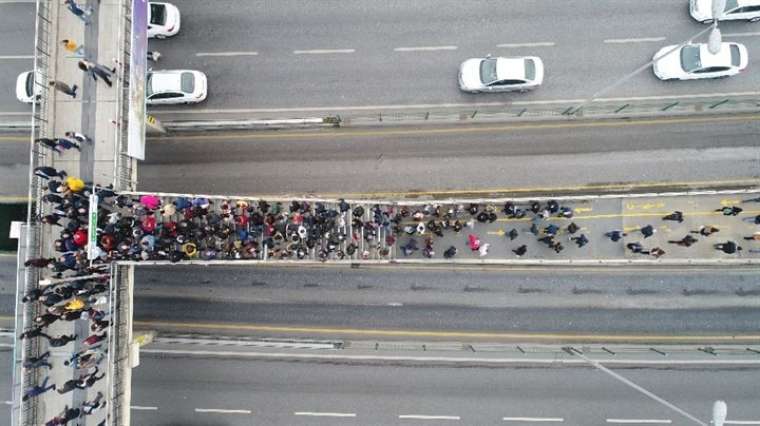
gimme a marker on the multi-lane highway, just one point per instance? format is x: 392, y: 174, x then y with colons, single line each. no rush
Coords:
x: 294, y: 55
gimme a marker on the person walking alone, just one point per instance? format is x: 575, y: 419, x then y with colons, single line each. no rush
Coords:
x: 729, y: 247
x: 97, y: 70
x: 38, y: 390
x: 64, y: 88
x: 83, y: 14
x: 73, y: 47
x: 63, y: 144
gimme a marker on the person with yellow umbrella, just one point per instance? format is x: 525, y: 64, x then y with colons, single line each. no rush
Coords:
x: 74, y: 184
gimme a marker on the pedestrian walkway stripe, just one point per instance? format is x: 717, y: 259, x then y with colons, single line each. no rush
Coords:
x: 640, y: 421
x: 742, y: 422
x: 143, y: 408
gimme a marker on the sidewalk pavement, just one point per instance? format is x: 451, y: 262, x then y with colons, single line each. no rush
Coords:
x: 90, y: 113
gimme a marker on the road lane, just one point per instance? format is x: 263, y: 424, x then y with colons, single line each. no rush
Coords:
x: 275, y: 391
x: 446, y: 157
x: 453, y: 157
x: 375, y: 65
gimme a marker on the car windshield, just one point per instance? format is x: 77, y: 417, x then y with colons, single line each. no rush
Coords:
x: 690, y: 58
x: 731, y: 4
x: 30, y: 84
x: 149, y: 85
x: 188, y: 82
x: 488, y: 70
x: 157, y: 14
x: 530, y: 69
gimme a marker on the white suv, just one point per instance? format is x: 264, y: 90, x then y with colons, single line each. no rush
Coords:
x: 749, y: 10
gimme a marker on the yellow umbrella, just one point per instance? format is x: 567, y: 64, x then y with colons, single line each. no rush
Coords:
x: 75, y: 305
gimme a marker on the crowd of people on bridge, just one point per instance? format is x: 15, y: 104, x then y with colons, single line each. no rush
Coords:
x: 74, y: 294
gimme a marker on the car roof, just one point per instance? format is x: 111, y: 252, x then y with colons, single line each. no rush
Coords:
x: 722, y: 58
x: 510, y: 69
x: 166, y: 81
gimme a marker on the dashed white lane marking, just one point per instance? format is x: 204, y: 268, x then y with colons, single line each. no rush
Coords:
x: 142, y: 407
x: 395, y: 304
x: 226, y: 53
x: 742, y: 422
x: 426, y: 417
x: 221, y: 410
x: 741, y: 35
x: 8, y: 402
x: 634, y: 40
x: 423, y: 48
x: 322, y: 51
x: 640, y: 421
x: 536, y: 44
x: 534, y: 419
x: 17, y: 57
x: 323, y: 414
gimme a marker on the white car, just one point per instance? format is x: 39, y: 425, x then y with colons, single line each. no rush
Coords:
x: 749, y: 10
x: 175, y: 87
x: 492, y: 74
x: 694, y: 61
x: 163, y: 20
x: 26, y: 91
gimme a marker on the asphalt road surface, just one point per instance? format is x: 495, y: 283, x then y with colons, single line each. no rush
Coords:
x: 302, y: 393
x: 294, y: 55
x: 480, y: 158
x: 657, y: 302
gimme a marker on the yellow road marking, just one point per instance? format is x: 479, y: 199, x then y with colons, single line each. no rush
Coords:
x: 12, y: 199
x: 349, y: 132
x: 625, y: 215
x: 451, y: 334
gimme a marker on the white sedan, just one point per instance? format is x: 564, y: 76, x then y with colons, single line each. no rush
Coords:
x: 163, y: 20
x: 694, y: 61
x: 491, y: 74
x: 175, y: 87
x: 749, y: 10
x: 26, y: 91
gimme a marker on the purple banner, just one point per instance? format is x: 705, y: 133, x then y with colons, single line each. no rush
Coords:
x: 138, y: 66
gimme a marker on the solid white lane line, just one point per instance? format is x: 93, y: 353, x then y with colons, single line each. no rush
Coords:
x: 226, y: 53
x: 323, y: 414
x: 741, y: 35
x: 17, y: 57
x: 742, y: 422
x: 142, y: 407
x: 322, y: 51
x: 640, y: 421
x: 426, y: 417
x: 423, y: 106
x: 221, y: 410
x: 634, y: 40
x: 534, y: 419
x: 423, y: 48
x: 536, y: 44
